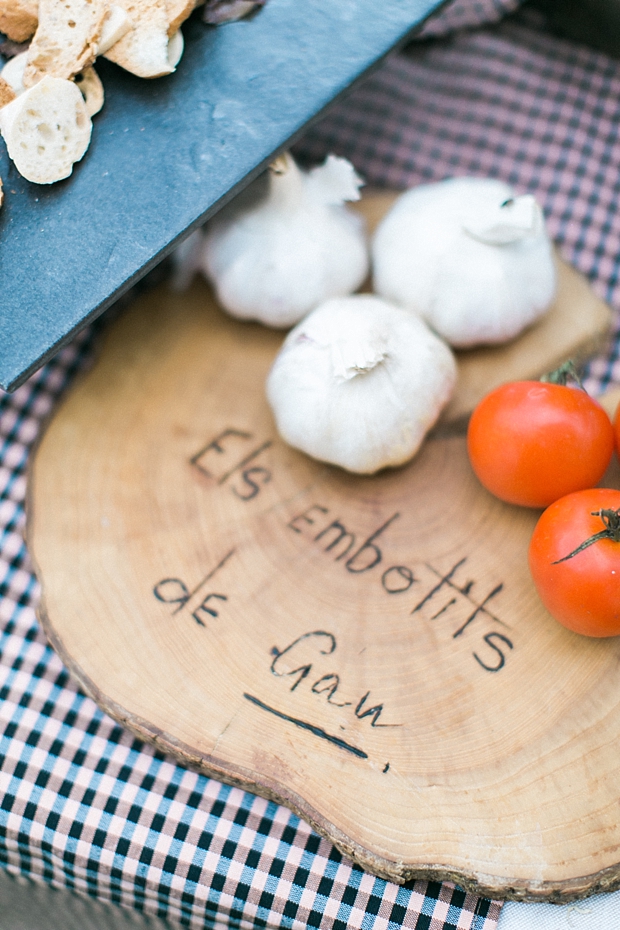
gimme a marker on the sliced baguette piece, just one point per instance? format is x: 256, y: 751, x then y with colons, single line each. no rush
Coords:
x: 18, y: 18
x: 46, y: 130
x: 176, y: 45
x: 13, y: 72
x: 115, y: 26
x: 144, y: 49
x: 178, y: 11
x: 7, y: 94
x: 91, y: 89
x: 66, y: 40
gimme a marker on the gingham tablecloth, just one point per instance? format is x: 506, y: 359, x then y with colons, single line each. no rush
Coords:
x: 82, y: 803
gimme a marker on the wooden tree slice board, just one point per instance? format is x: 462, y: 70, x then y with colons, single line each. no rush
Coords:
x: 369, y: 651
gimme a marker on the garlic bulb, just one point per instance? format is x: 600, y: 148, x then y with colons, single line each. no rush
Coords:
x: 359, y: 383
x: 274, y: 257
x: 469, y: 256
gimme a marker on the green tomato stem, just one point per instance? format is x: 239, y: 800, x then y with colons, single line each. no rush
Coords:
x: 611, y: 520
x: 563, y: 374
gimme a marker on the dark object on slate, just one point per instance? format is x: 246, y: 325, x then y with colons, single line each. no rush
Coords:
x: 166, y: 154
x: 226, y: 11
x: 9, y: 49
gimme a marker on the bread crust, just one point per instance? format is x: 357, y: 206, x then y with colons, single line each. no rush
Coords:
x: 66, y: 40
x: 178, y: 11
x: 6, y: 93
x: 18, y: 19
x: 46, y: 130
x: 91, y: 89
x: 115, y: 25
x: 13, y: 72
x: 142, y: 36
x: 144, y: 49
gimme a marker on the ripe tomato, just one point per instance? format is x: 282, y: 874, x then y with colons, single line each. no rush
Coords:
x: 617, y: 428
x: 531, y: 442
x: 581, y: 589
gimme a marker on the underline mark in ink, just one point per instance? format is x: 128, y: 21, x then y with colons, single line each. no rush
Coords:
x: 317, y: 731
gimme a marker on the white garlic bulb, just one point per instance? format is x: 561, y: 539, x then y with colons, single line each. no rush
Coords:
x: 359, y: 383
x: 275, y: 257
x: 469, y: 256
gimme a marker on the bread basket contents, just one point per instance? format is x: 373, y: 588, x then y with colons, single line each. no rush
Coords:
x: 66, y: 39
x: 469, y: 256
x: 48, y: 131
x: 18, y: 18
x: 91, y: 89
x: 13, y: 74
x: 280, y: 249
x: 153, y: 46
x: 6, y: 92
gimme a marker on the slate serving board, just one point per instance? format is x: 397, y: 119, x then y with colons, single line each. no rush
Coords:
x: 167, y: 153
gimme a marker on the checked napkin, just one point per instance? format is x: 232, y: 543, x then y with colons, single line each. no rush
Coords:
x: 86, y: 806
x: 83, y: 804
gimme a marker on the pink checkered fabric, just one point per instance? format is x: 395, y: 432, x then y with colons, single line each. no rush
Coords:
x: 86, y: 806
x: 467, y: 14
x: 83, y: 804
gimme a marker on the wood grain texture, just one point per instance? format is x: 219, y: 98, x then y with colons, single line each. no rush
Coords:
x: 369, y: 651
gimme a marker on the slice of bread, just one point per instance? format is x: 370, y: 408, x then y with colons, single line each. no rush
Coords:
x: 176, y: 45
x: 91, y: 89
x: 144, y: 49
x: 115, y: 25
x: 46, y: 130
x: 13, y: 72
x: 178, y: 11
x: 49, y: 92
x: 6, y: 92
x: 18, y: 18
x: 66, y: 40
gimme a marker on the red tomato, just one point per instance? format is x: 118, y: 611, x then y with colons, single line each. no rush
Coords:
x: 581, y: 589
x: 531, y: 443
x: 617, y: 428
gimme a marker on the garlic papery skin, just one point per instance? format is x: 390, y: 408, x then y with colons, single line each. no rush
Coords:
x: 274, y: 257
x: 359, y: 382
x: 469, y: 256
